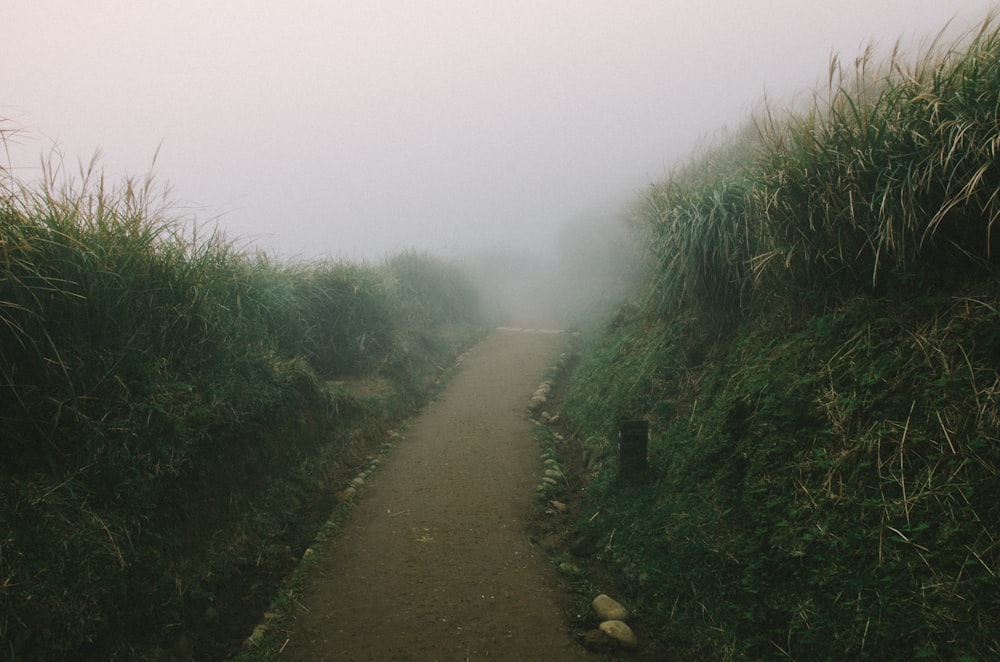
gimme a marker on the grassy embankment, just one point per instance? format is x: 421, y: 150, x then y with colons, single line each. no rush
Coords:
x: 171, y: 406
x: 817, y: 353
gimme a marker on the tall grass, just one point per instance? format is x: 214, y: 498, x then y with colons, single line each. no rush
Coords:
x: 143, y: 369
x: 817, y: 358
x: 891, y: 168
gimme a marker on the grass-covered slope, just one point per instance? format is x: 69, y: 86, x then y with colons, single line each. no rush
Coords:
x: 170, y: 406
x: 817, y: 353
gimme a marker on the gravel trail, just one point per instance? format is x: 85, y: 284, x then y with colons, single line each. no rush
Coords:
x: 435, y: 563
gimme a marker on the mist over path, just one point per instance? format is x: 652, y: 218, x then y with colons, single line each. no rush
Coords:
x: 435, y: 563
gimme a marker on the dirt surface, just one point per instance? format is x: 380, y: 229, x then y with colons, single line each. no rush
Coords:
x: 436, y: 561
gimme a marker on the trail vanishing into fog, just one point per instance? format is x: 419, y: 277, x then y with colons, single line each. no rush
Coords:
x: 435, y: 563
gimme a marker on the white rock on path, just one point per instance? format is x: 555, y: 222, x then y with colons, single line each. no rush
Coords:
x: 608, y: 609
x: 621, y: 633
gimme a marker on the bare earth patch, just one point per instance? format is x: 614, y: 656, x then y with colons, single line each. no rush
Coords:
x: 436, y: 561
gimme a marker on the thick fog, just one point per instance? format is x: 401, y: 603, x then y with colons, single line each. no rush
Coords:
x: 357, y: 129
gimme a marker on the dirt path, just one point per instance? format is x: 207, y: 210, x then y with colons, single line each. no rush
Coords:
x: 435, y: 563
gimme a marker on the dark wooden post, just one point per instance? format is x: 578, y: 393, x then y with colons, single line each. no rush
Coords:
x: 633, y: 439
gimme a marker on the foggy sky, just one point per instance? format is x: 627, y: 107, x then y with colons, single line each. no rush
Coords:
x: 355, y: 129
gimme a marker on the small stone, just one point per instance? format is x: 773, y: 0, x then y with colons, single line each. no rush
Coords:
x: 549, y: 480
x: 608, y: 609
x: 551, y: 463
x: 255, y: 637
x: 358, y: 481
x: 621, y: 633
x: 559, y: 506
x: 346, y: 495
x: 553, y: 473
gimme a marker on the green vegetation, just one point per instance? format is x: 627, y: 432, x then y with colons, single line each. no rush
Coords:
x: 816, y: 351
x: 170, y: 405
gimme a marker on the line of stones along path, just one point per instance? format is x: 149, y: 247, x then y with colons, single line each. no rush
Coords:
x: 435, y: 563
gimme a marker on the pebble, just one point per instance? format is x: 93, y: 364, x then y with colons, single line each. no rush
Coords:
x: 608, y: 609
x: 255, y: 637
x: 621, y: 633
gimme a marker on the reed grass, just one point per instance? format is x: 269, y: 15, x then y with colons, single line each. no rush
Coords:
x: 890, y: 169
x: 816, y: 353
x: 140, y: 355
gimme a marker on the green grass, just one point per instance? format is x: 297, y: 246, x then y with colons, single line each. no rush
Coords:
x: 890, y: 170
x: 816, y: 351
x: 170, y: 402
